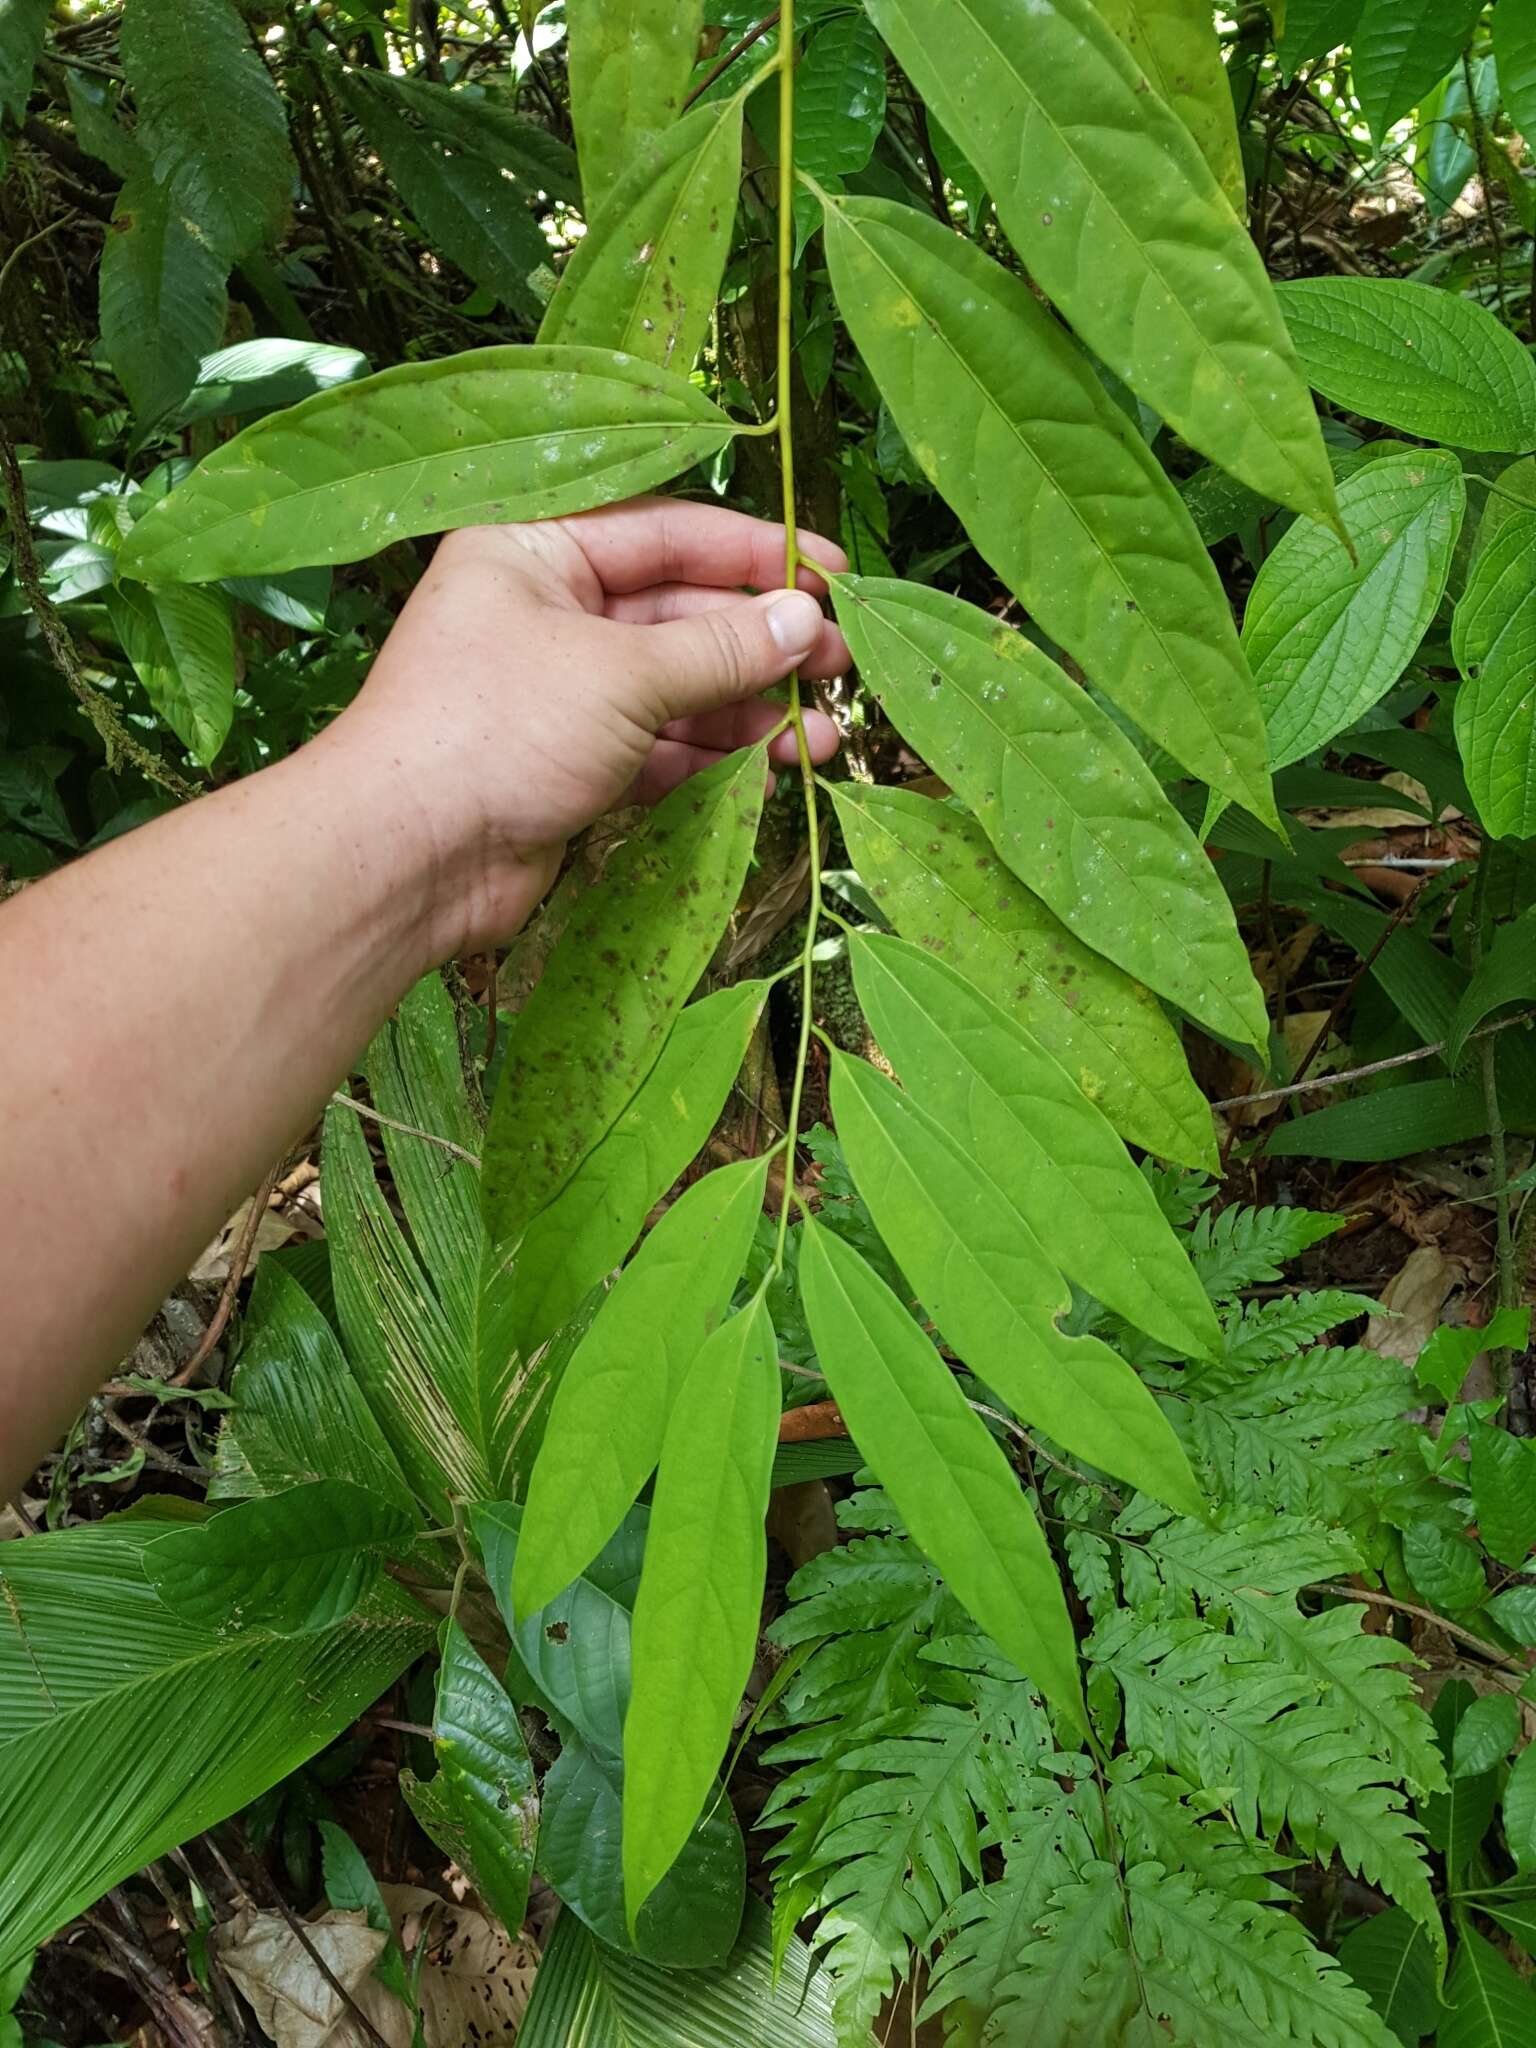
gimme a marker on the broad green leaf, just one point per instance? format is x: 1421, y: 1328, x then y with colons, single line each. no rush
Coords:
x: 1490, y: 2006
x: 482, y: 1808
x: 839, y: 98
x: 287, y: 1563
x: 300, y: 598
x: 351, y: 1887
x: 1445, y: 1568
x: 1054, y: 485
x: 209, y: 118
x: 701, y: 1592
x: 1507, y: 974
x: 595, y: 1025
x: 589, y: 1993
x: 497, y: 434
x: 993, y: 1290
x: 1061, y: 792
x: 1445, y: 166
x: 1389, y: 1956
x: 1400, y: 49
x: 1485, y: 1734
x: 646, y: 274
x: 163, y: 300
x: 1311, y: 28
x: 1328, y: 637
x: 298, y: 1413
x: 1514, y: 1908
x: 632, y: 1363
x: 462, y: 188
x: 23, y: 24
x: 630, y: 65
x: 1028, y: 1129
x: 1515, y: 1612
x: 125, y: 1730
x: 931, y: 870
x: 952, y: 1486
x: 1514, y: 53
x: 1388, y: 1124
x: 1444, y: 1361
x: 1504, y: 1493
x: 1493, y: 637
x: 258, y: 375
x: 1415, y: 357
x: 1174, y: 41
x: 1520, y: 1806
x: 181, y: 644
x: 1104, y: 193
x: 586, y: 1231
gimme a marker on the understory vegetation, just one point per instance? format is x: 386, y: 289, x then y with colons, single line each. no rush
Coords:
x: 968, y: 1476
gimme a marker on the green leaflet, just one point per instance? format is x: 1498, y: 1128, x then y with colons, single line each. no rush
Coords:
x: 839, y: 98
x: 497, y: 434
x: 701, y: 1592
x: 1507, y: 974
x: 951, y: 1484
x: 1105, y: 195
x: 163, y: 301
x: 1388, y: 1955
x: 993, y: 1290
x: 1520, y: 1811
x: 1490, y: 2006
x: 1514, y: 53
x: 585, y: 1232
x: 1174, y: 41
x: 1403, y: 47
x: 1493, y: 636
x: 646, y: 274
x: 1503, y: 1469
x: 1054, y: 485
x: 482, y: 1808
x: 1311, y: 28
x: 181, y: 642
x: 1062, y: 793
x: 931, y: 869
x: 210, y: 120
x: 288, y: 1563
x: 1485, y: 1734
x: 615, y: 1400
x: 1328, y: 637
x: 595, y: 1025
x: 1049, y: 1152
x: 1424, y: 361
x: 630, y: 65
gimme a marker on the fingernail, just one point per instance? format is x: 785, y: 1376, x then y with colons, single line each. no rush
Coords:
x: 794, y: 621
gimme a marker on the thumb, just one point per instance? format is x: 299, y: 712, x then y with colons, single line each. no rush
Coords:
x: 719, y: 657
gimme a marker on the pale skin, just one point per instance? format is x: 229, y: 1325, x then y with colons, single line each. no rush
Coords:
x: 176, y: 1008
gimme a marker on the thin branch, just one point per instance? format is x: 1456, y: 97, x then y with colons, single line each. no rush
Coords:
x: 1400, y: 1059
x: 738, y: 50
x: 239, y: 1258
x: 1451, y: 1628
x: 377, y: 1116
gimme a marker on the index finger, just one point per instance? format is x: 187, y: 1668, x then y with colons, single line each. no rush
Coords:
x: 669, y: 540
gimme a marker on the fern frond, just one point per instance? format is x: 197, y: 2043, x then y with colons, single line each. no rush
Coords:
x: 1241, y: 1247
x: 1154, y: 1822
x: 1260, y: 1332
x: 1063, y: 1979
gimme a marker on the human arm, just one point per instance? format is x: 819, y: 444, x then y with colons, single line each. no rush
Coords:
x: 176, y: 1007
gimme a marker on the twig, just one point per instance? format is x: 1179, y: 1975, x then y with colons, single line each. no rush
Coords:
x: 1400, y: 1059
x: 115, y: 736
x: 738, y: 50
x: 377, y: 1116
x: 31, y: 242
x: 1451, y: 1628
x: 237, y: 1265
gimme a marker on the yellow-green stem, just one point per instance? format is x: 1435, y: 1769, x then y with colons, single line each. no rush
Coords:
x: 785, y: 413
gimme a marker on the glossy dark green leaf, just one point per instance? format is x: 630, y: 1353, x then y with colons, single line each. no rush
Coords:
x: 631, y: 1364
x: 1445, y: 1568
x: 482, y: 1808
x: 1415, y: 357
x: 181, y: 644
x: 585, y: 1232
x: 839, y: 97
x: 646, y: 274
x: 287, y: 1563
x: 163, y: 301
x: 1513, y: 1906
x: 701, y: 1593
x: 595, y: 1025
x: 1328, y: 637
x: 1400, y: 49
x: 1389, y: 1956
x: 951, y: 1484
x: 1061, y: 792
x: 1054, y: 485
x: 300, y: 598
x: 1514, y: 53
x: 1174, y: 42
x: 931, y: 870
x: 497, y: 434
x: 1485, y: 1734
x: 462, y: 189
x: 257, y: 375
x: 993, y: 1290
x: 1490, y: 2006
x: 210, y: 120
x: 1493, y: 637
x: 1104, y: 193
x: 1019, y: 1117
x: 1504, y: 1493
x: 630, y: 65
x: 23, y: 24
x: 1444, y: 1361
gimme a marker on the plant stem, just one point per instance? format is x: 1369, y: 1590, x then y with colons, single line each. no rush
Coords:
x: 1509, y: 1280
x: 791, y: 571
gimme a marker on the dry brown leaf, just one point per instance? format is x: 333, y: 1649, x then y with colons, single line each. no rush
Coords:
x: 274, y: 1230
x: 271, y: 1968
x: 1416, y: 1297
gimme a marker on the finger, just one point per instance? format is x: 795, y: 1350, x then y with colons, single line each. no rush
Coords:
x: 671, y: 762
x: 668, y: 540
x: 822, y: 740
x: 723, y: 657
x: 663, y: 602
x: 743, y: 725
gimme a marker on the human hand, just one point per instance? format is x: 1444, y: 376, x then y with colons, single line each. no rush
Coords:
x: 541, y: 674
